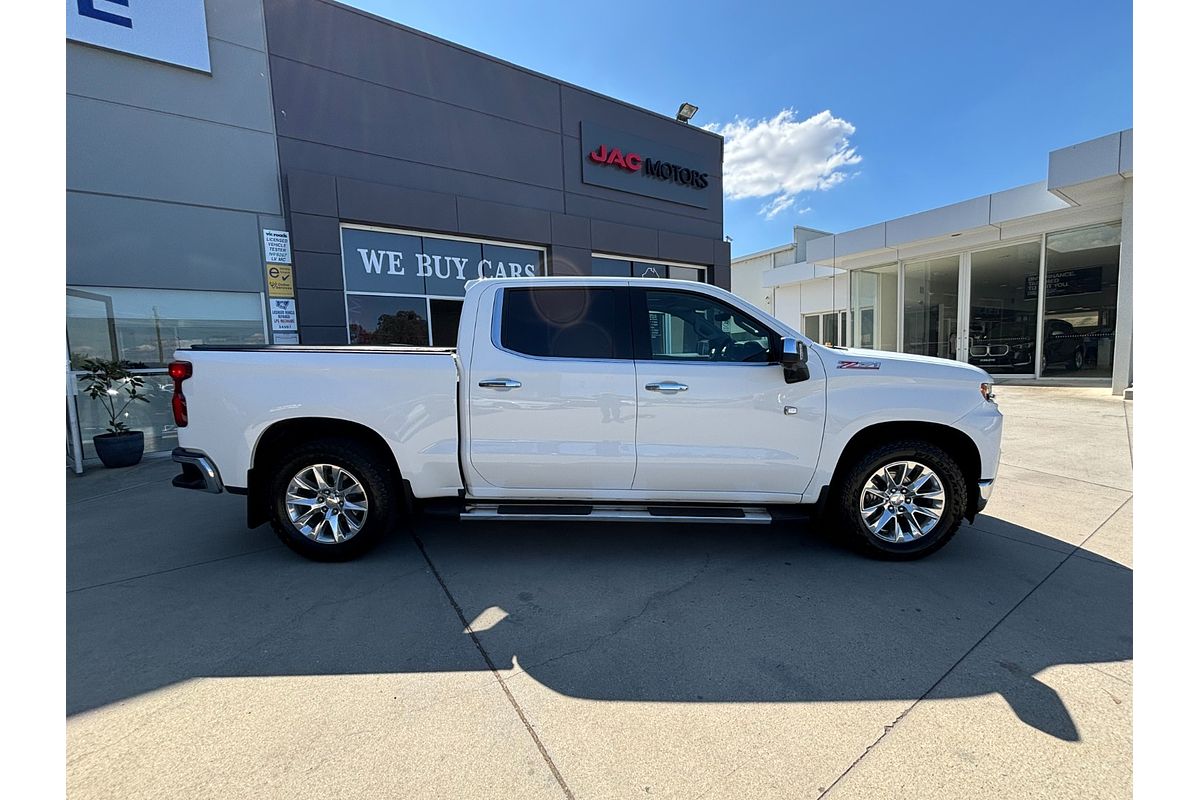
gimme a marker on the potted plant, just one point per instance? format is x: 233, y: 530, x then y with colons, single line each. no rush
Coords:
x: 111, y: 382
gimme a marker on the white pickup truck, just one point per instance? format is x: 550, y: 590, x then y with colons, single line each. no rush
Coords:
x: 572, y: 399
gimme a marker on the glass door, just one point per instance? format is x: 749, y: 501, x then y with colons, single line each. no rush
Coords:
x: 1001, y: 309
x: 931, y: 307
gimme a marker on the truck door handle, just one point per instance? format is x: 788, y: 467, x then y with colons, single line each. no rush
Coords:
x: 500, y: 383
x: 667, y: 387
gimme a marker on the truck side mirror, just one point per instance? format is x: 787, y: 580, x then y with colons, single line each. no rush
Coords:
x: 793, y: 356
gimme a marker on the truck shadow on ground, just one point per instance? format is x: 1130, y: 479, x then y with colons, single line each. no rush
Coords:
x: 641, y: 612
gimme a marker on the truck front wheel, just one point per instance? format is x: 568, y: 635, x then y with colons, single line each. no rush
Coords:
x: 329, y: 501
x: 902, y: 500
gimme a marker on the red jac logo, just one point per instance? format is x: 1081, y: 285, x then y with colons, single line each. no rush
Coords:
x: 605, y: 155
x: 663, y: 170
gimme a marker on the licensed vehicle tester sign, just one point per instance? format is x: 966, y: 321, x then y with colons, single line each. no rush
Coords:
x: 172, y: 31
x: 383, y: 262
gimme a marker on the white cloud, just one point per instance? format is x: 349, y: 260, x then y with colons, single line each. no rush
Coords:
x: 781, y: 157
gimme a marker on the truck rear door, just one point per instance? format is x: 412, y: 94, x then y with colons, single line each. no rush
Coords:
x: 552, y: 396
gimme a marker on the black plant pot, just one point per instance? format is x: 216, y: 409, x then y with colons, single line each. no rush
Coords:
x: 120, y: 449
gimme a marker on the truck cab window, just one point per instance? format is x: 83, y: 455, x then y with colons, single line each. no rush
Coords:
x: 569, y: 322
x: 692, y: 327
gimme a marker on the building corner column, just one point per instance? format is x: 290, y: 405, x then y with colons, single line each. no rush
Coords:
x: 1122, y: 376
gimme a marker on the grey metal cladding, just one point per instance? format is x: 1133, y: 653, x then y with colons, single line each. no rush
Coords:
x: 320, y: 106
x: 427, y: 177
x: 579, y: 105
x: 426, y: 135
x: 311, y: 193
x: 237, y: 93
x: 225, y: 166
x: 353, y: 43
x: 363, y: 201
x: 570, y: 231
x: 613, y: 237
x: 118, y: 241
x: 632, y: 214
x: 318, y: 270
x: 499, y: 220
x: 236, y: 21
x: 722, y: 271
x: 322, y: 306
x: 315, y: 234
x: 681, y: 247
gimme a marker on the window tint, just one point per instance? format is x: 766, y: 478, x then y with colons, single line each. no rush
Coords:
x: 688, y: 326
x: 443, y: 321
x: 381, y: 320
x: 578, y: 322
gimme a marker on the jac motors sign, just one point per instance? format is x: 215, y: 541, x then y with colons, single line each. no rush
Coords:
x: 628, y: 163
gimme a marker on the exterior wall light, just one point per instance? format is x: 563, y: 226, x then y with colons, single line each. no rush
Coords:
x: 686, y: 112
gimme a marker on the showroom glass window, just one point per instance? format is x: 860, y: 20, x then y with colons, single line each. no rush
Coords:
x: 1002, y: 324
x: 873, y: 304
x: 407, y: 288
x: 145, y: 327
x: 617, y: 267
x: 931, y: 307
x: 1081, y: 301
x: 828, y: 328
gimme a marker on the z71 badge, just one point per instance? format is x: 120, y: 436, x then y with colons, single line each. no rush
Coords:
x: 857, y: 364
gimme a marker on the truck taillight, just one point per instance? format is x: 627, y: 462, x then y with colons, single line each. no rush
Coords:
x: 179, y: 371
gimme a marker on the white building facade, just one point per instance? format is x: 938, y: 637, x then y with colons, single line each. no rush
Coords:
x: 1033, y: 282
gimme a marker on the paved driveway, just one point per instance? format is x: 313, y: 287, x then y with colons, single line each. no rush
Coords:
x: 492, y: 660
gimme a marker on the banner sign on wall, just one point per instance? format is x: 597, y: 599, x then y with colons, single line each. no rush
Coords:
x: 172, y: 31
x: 629, y: 163
x: 402, y: 263
x: 1084, y: 280
x: 283, y: 314
x: 278, y: 246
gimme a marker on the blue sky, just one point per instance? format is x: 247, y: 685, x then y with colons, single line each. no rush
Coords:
x: 929, y: 103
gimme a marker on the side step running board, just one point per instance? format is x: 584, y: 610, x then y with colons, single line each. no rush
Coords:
x: 518, y: 512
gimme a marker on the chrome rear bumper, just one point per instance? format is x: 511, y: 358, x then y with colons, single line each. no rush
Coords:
x: 198, y: 471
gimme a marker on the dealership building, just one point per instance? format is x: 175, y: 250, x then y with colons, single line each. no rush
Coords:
x: 1029, y: 283
x: 302, y: 172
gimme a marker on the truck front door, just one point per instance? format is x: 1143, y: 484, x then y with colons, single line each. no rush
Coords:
x: 714, y: 414
x: 552, y: 396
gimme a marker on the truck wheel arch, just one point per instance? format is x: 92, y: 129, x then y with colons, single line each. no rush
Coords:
x: 958, y: 444
x: 280, y: 437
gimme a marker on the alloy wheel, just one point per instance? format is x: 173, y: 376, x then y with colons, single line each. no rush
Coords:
x: 902, y: 501
x: 326, y: 503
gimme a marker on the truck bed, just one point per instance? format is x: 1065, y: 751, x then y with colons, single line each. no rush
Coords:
x: 406, y: 395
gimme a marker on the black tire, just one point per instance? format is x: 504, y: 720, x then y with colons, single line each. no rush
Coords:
x: 846, y: 513
x: 1078, y: 360
x: 362, y: 463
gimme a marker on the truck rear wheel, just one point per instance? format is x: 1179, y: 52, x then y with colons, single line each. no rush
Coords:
x: 901, y: 501
x: 329, y: 500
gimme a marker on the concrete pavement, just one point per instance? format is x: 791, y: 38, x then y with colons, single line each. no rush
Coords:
x: 489, y: 660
